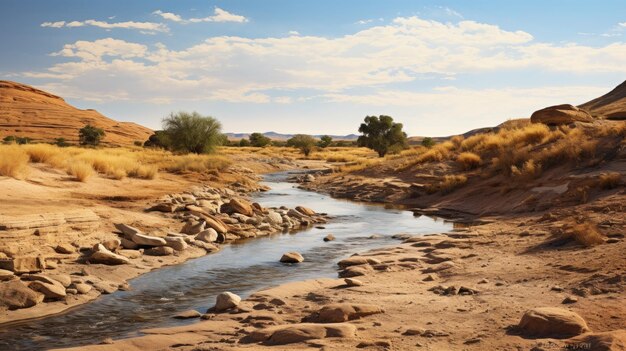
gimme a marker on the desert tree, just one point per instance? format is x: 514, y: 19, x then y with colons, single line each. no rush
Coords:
x: 259, y: 140
x: 382, y: 134
x: 428, y: 142
x: 244, y: 142
x: 325, y: 141
x: 192, y: 132
x: 305, y: 143
x: 90, y: 135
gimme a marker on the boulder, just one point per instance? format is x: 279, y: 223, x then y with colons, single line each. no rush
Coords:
x: 112, y: 244
x: 614, y: 340
x: 560, y: 114
x: 353, y: 282
x: 329, y: 237
x: 25, y: 264
x: 128, y: 244
x: 291, y: 257
x: 82, y: 288
x: 147, y: 240
x: 241, y: 206
x: 130, y: 253
x: 207, y: 246
x: 274, y: 218
x: 64, y: 279
x: 305, y: 211
x: 552, y: 322
x: 102, y: 255
x: 53, y: 291
x: 177, y: 244
x: 342, y: 312
x: 188, y: 314
x: 127, y: 230
x: 216, y: 223
x: 167, y: 207
x: 356, y: 261
x: 355, y: 271
x: 16, y: 294
x: 193, y: 228
x: 160, y: 251
x: 294, y: 333
x: 6, y: 275
x: 208, y: 235
x: 65, y: 249
x: 226, y: 301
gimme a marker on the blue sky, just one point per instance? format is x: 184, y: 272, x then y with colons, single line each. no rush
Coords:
x: 439, y: 67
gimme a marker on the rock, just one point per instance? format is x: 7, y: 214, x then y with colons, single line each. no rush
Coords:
x: 128, y: 244
x: 112, y: 244
x: 294, y: 333
x: 130, y: 253
x: 53, y: 291
x: 188, y: 314
x: 329, y: 237
x: 308, y: 178
x: 105, y: 287
x: 484, y: 281
x: 71, y: 291
x: 6, y: 275
x: 552, y: 322
x: 207, y: 246
x: 193, y: 228
x: 226, y: 301
x: 167, y: 207
x: 52, y: 264
x: 464, y: 290
x: 614, y: 340
x: 353, y: 282
x: 357, y: 260
x: 440, y: 267
x: 102, y: 255
x: 560, y: 114
x: 274, y: 218
x: 15, y: 295
x: 82, y: 288
x: 305, y: 211
x: 355, y: 271
x: 240, y: 206
x: 127, y: 230
x: 431, y: 277
x: 342, y: 312
x: 217, y: 224
x: 24, y: 264
x: 291, y: 257
x: 208, y: 235
x: 147, y: 240
x: 65, y: 249
x: 177, y: 244
x: 570, y: 299
x: 159, y: 251
x: 64, y: 279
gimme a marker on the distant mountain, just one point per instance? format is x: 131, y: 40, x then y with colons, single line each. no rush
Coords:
x: 279, y: 136
x: 41, y: 116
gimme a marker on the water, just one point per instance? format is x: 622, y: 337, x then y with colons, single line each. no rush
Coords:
x: 242, y: 268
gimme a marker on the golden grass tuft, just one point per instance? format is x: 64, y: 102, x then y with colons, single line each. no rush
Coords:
x: 609, y: 180
x: 41, y: 153
x: 468, y: 160
x: 13, y: 161
x: 448, y: 184
x: 586, y: 234
x: 80, y: 171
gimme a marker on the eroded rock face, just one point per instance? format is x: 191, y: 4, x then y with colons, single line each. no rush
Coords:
x: 560, y: 114
x: 15, y: 295
x: 226, y: 301
x: 26, y: 264
x: 552, y: 322
x: 292, y: 257
x: 356, y: 261
x: 342, y: 312
x: 177, y: 244
x: 614, y: 340
x: 294, y: 333
x: 143, y: 239
x: 53, y: 290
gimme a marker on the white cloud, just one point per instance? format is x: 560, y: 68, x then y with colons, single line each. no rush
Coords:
x: 219, y: 15
x: 142, y: 26
x: 365, y: 21
x: 622, y: 24
x: 294, y: 32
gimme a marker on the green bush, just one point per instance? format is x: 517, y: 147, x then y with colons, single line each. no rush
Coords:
x: 381, y: 134
x: 90, y: 135
x: 305, y: 143
x: 192, y: 132
x: 259, y: 140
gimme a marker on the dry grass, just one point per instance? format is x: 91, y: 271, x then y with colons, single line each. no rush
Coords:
x: 80, y: 171
x: 13, y: 161
x: 468, y: 160
x: 609, y: 180
x: 586, y: 234
x: 448, y: 184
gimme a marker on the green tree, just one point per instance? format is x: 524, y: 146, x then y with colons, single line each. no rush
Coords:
x: 192, y: 132
x: 9, y: 139
x: 381, y: 134
x: 90, y: 135
x: 428, y: 142
x: 244, y: 142
x: 325, y: 141
x: 61, y: 142
x: 23, y: 140
x: 305, y: 143
x: 259, y: 140
x: 158, y: 140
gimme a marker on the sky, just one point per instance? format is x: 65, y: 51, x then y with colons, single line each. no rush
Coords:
x: 317, y: 67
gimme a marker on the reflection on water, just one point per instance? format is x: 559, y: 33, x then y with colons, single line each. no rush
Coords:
x: 242, y: 268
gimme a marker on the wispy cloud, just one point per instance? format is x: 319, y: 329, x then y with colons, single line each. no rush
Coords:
x: 219, y: 15
x: 142, y: 26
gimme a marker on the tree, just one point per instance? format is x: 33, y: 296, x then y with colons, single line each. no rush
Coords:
x: 381, y: 133
x: 259, y: 140
x: 158, y: 140
x: 244, y: 142
x: 305, y: 143
x: 325, y: 141
x: 61, y: 142
x: 90, y: 135
x: 428, y: 142
x: 9, y: 139
x: 192, y: 132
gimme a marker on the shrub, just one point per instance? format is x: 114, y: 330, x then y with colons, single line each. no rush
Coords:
x: 192, y: 132
x: 609, y: 180
x: 41, y: 153
x: 80, y: 171
x: 428, y: 142
x: 143, y: 172
x: 244, y: 142
x: 158, y: 140
x: 61, y: 142
x: 23, y: 140
x: 13, y: 161
x: 380, y: 133
x: 90, y: 135
x: 586, y: 234
x: 448, y: 184
x: 138, y: 143
x: 305, y: 143
x: 325, y: 141
x: 259, y: 140
x: 9, y: 139
x: 457, y: 140
x: 468, y: 160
